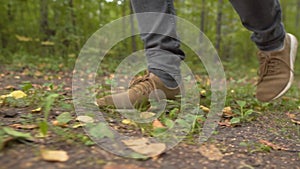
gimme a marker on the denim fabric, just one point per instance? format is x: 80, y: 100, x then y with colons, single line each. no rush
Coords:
x: 262, y: 17
x: 162, y: 50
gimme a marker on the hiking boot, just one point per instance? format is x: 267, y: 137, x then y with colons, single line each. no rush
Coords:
x: 276, y: 71
x: 139, y: 92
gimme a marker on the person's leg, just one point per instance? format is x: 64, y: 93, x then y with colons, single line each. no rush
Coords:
x: 263, y: 18
x: 158, y: 31
x: 163, y: 49
x: 277, y: 49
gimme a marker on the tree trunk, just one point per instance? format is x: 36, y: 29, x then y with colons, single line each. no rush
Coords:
x: 133, y: 41
x: 203, y: 13
x: 10, y: 12
x: 124, y: 14
x: 219, y: 25
x: 202, y: 20
x: 298, y: 16
x: 44, y: 24
x: 72, y: 15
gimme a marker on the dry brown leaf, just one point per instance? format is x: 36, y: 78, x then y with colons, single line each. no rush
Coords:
x: 157, y: 124
x: 10, y: 87
x: 227, y: 112
x: 144, y: 147
x: 272, y: 145
x: 293, y: 118
x: 54, y: 155
x: 290, y: 115
x: 57, y: 123
x: 226, y: 123
x: 295, y: 121
x: 211, y: 152
x: 24, y: 126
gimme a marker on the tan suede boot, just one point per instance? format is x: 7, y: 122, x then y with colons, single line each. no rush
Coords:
x: 139, y: 92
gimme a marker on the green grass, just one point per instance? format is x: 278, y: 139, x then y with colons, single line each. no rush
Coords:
x: 240, y: 97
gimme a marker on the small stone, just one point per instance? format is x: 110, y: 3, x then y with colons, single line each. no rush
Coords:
x: 9, y: 113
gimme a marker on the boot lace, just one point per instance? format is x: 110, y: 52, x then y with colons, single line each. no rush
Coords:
x: 143, y: 84
x: 269, y: 65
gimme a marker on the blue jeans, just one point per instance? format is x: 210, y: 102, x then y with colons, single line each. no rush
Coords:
x: 262, y: 17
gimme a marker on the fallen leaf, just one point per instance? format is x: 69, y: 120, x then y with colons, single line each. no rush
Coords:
x: 147, y: 115
x: 128, y: 122
x: 54, y: 155
x: 144, y: 147
x: 24, y: 126
x: 47, y: 43
x: 295, y: 121
x: 23, y: 38
x: 294, y: 118
x: 10, y: 87
x: 157, y: 124
x: 3, y: 96
x: 272, y: 145
x: 57, y: 123
x: 211, y: 152
x: 290, y: 115
x: 226, y: 123
x: 203, y: 92
x: 121, y: 166
x: 205, y: 109
x: 227, y: 112
x: 37, y: 110
x: 18, y: 94
x: 75, y: 126
x: 85, y: 119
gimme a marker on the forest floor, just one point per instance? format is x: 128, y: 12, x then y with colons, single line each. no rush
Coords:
x: 270, y: 140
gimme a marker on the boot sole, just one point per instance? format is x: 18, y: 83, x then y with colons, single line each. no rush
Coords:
x: 293, y: 53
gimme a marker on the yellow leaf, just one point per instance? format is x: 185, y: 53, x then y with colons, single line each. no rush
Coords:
x: 128, y: 122
x: 203, y: 92
x: 48, y: 43
x: 54, y: 155
x: 18, y: 94
x: 205, y: 109
x: 78, y: 125
x: 37, y: 110
x: 23, y: 38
